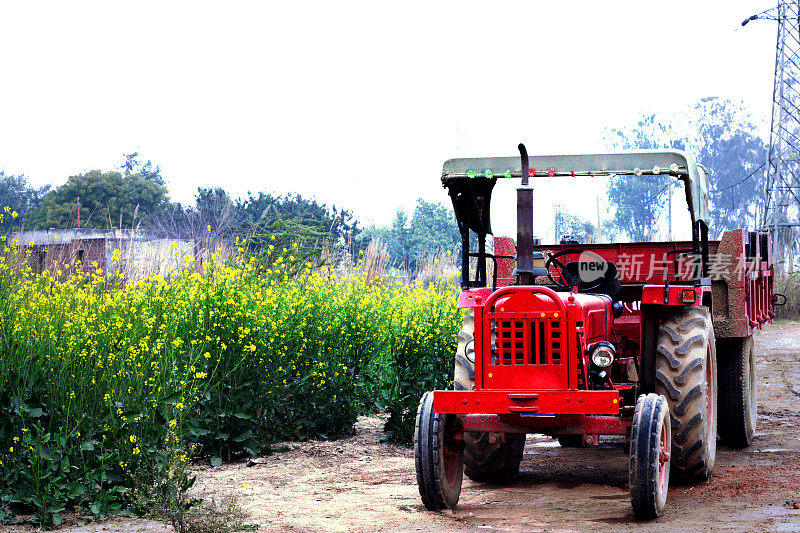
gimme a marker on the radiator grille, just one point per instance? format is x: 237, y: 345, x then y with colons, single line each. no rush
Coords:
x: 525, y: 341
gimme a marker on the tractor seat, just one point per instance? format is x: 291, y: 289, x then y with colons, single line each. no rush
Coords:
x: 609, y: 284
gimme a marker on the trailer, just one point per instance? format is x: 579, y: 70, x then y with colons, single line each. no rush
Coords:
x: 651, y: 341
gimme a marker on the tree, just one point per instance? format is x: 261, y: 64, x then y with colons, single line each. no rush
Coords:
x: 311, y: 232
x: 259, y: 213
x: 314, y: 232
x: 639, y: 201
x: 639, y: 204
x: 734, y: 154
x: 431, y: 230
x: 721, y: 135
x: 132, y: 165
x: 581, y: 230
x: 107, y: 199
x: 19, y: 197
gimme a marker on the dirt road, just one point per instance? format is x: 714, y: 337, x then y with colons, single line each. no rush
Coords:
x: 358, y: 484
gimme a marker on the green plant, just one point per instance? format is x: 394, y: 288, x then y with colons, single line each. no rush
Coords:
x: 224, y: 356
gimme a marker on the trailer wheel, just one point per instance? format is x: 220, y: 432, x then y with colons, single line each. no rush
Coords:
x: 737, y: 391
x: 570, y: 441
x: 650, y: 456
x: 686, y: 374
x: 492, y: 462
x: 438, y: 456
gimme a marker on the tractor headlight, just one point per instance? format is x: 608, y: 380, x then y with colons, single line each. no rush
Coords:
x: 603, y: 354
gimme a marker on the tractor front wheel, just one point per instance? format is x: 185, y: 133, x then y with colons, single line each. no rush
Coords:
x: 737, y: 391
x: 438, y: 456
x: 650, y: 456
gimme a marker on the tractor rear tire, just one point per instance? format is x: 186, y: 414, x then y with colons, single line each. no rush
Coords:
x: 492, y: 462
x: 738, y: 400
x: 484, y: 461
x: 686, y: 374
x: 648, y: 476
x: 438, y: 457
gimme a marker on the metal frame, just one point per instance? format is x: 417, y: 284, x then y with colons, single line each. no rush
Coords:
x: 470, y: 182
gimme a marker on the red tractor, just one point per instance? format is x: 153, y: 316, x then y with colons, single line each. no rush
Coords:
x: 647, y: 340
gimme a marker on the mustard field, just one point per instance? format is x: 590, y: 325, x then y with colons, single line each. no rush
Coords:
x: 110, y: 389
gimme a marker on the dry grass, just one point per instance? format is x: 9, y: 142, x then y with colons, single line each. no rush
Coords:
x: 788, y: 284
x: 376, y: 259
x: 437, y: 267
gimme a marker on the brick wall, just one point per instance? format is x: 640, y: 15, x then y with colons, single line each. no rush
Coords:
x: 45, y: 257
x: 505, y: 267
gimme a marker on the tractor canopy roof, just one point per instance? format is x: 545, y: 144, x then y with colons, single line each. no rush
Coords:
x: 470, y: 180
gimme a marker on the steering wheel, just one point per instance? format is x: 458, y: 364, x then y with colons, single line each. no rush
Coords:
x: 569, y: 280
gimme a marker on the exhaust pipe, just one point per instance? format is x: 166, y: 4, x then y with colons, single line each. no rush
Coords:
x: 524, y: 222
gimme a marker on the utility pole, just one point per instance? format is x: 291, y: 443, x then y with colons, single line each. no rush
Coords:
x: 557, y: 225
x: 669, y: 212
x: 782, y: 186
x: 599, y: 230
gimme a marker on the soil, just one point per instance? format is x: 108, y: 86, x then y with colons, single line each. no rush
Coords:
x: 359, y: 484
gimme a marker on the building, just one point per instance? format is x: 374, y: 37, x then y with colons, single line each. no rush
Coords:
x: 139, y: 252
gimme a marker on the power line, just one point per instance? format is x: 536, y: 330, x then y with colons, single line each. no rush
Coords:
x: 742, y: 180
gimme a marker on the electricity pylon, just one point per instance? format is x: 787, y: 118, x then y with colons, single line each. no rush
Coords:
x: 782, y: 185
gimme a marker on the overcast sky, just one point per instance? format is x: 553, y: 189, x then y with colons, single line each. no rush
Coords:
x: 356, y: 104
